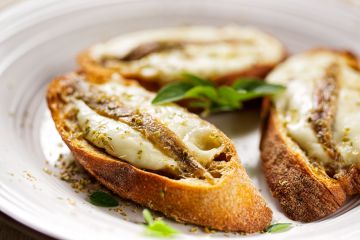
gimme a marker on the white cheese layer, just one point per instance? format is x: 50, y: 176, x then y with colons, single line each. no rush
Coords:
x: 248, y: 48
x: 199, y: 136
x: 347, y: 124
x: 299, y: 74
x: 120, y: 140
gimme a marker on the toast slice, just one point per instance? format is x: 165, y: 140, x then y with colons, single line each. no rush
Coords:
x: 162, y: 157
x: 157, y: 57
x: 310, y: 144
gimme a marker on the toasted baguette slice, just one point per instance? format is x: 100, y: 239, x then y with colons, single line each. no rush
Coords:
x: 207, y: 186
x: 157, y: 57
x: 310, y: 144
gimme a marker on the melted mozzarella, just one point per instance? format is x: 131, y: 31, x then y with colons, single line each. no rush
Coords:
x: 196, y: 133
x: 347, y: 124
x: 120, y: 140
x: 207, y: 60
x: 300, y: 74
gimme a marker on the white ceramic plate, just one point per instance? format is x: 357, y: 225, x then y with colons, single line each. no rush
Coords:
x: 40, y: 39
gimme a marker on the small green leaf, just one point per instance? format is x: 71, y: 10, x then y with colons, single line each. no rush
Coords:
x: 244, y: 96
x: 157, y: 228
x: 251, y: 89
x: 172, y: 92
x: 147, y: 216
x: 222, y: 108
x: 278, y: 227
x: 202, y: 92
x: 205, y: 104
x: 161, y: 229
x: 196, y: 80
x: 247, y: 83
x: 267, y: 89
x: 103, y: 199
x: 200, y: 104
x: 257, y: 86
x: 228, y: 97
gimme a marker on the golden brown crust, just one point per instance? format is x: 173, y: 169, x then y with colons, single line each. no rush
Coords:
x: 302, y: 194
x: 99, y: 74
x: 232, y: 204
x: 351, y: 180
x: 305, y: 193
x: 351, y: 59
x: 93, y: 71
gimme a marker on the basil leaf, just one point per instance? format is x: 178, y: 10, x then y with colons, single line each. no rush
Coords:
x: 222, y: 108
x: 205, y: 104
x: 228, y: 97
x: 202, y: 92
x: 157, y: 228
x: 103, y: 199
x: 247, y: 83
x: 259, y: 92
x: 267, y: 89
x: 196, y: 80
x: 278, y: 227
x: 205, y: 94
x: 200, y: 104
x: 172, y: 92
x: 257, y: 86
x: 244, y: 96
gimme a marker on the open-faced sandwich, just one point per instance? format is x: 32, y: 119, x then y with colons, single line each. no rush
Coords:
x: 311, y: 135
x: 162, y: 157
x: 157, y: 57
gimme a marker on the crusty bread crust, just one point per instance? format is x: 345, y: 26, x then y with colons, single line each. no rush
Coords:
x: 350, y: 182
x: 99, y: 74
x: 305, y: 193
x: 232, y: 204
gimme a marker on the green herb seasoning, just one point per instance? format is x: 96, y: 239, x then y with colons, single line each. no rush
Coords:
x: 103, y: 199
x: 157, y: 228
x: 205, y: 95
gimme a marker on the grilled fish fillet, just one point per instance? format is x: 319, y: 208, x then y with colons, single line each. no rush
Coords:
x: 157, y: 57
x: 162, y: 157
x: 311, y: 135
